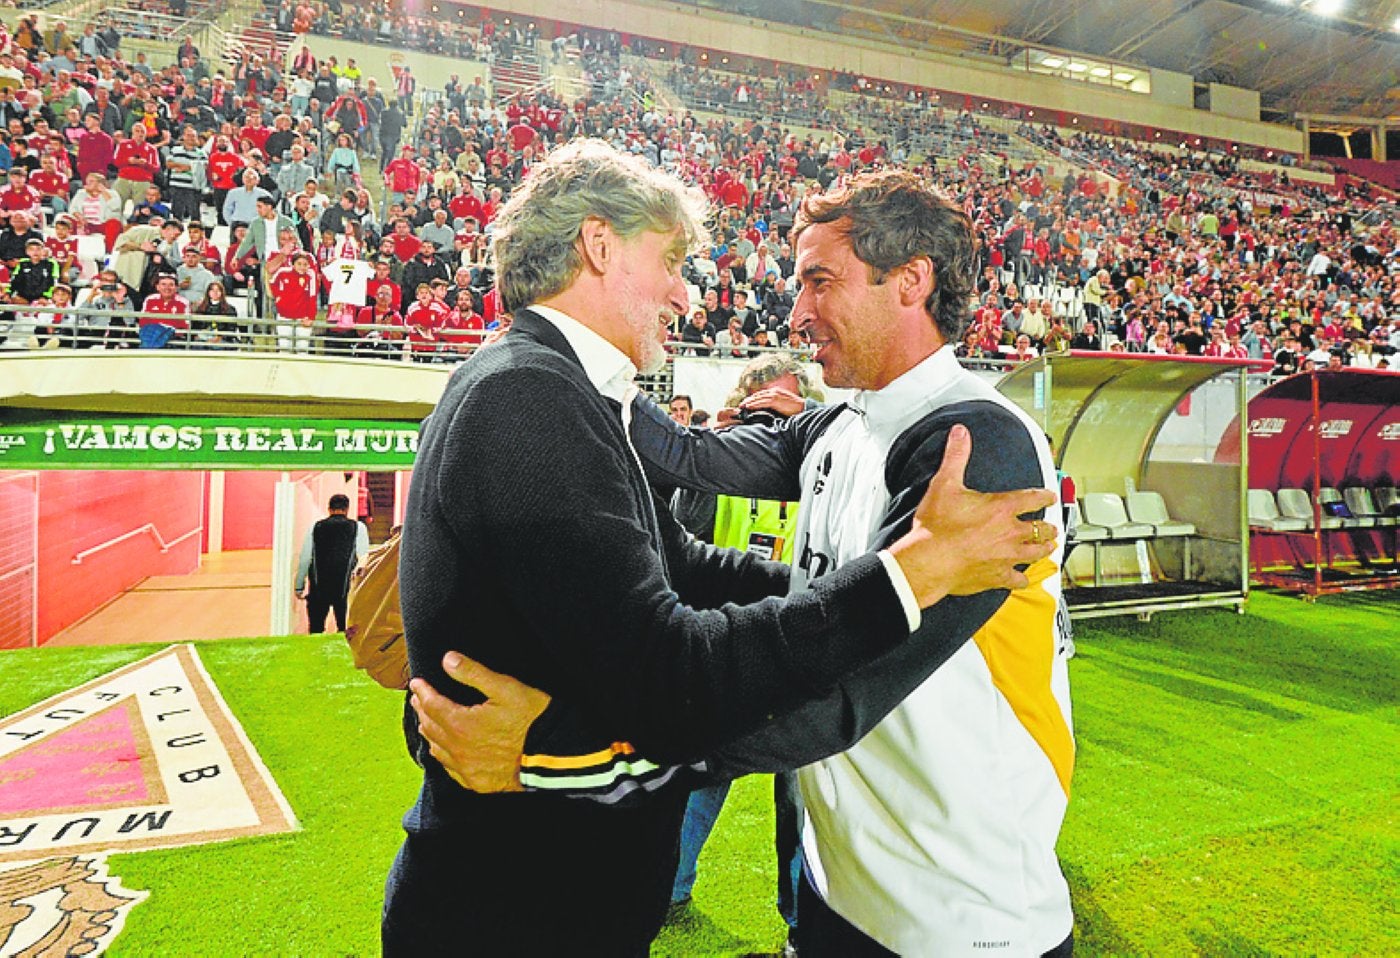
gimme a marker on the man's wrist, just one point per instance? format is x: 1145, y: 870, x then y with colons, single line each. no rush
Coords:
x: 907, y: 599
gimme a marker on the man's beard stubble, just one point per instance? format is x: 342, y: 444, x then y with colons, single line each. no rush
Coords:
x: 644, y: 320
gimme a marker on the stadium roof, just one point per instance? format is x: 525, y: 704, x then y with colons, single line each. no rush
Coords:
x: 1298, y: 58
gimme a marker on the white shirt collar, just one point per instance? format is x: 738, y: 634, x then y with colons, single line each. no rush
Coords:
x: 908, y: 399
x: 606, y: 366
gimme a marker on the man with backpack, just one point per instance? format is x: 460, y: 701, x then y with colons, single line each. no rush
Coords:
x: 329, y: 553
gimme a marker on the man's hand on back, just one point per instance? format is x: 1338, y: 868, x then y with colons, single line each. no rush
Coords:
x: 479, y: 745
x: 964, y: 542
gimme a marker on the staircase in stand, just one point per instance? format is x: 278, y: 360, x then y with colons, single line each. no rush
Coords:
x: 261, y: 37
x: 381, y: 497
x: 521, y: 73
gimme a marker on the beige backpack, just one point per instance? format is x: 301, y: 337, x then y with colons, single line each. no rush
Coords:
x: 373, y: 620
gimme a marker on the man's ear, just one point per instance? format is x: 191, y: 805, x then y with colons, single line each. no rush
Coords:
x: 916, y: 281
x: 597, y: 244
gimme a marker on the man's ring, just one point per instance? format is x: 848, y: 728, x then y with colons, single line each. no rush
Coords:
x: 1035, y: 530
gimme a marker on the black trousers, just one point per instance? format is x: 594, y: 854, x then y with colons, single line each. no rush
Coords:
x: 316, y: 608
x: 184, y: 203
x: 821, y: 933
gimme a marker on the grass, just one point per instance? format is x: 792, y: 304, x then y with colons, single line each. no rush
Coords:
x: 1236, y: 794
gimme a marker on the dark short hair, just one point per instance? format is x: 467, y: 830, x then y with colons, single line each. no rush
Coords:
x: 339, y: 502
x: 893, y: 217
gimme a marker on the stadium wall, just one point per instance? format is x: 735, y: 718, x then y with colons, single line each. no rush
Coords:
x: 81, y: 511
x: 818, y: 50
x: 248, y: 510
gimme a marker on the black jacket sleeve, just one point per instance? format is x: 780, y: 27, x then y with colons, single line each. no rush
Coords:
x: 760, y: 461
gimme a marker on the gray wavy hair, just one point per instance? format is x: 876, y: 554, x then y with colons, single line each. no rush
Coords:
x: 769, y: 368
x: 536, y: 232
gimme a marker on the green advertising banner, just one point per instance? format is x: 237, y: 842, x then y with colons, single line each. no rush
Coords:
x: 178, y: 442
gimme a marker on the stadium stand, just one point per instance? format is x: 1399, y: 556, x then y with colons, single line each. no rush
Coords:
x: 1089, y: 241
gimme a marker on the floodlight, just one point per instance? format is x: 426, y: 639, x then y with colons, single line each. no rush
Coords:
x: 1054, y: 63
x: 1125, y: 77
x: 1076, y: 68
x: 1326, y: 8
x: 1100, y: 72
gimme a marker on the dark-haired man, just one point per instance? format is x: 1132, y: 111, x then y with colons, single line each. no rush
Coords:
x: 329, y: 553
x: 680, y: 408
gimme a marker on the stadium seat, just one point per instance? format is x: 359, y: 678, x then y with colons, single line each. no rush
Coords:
x: 1150, y: 509
x: 1105, y: 509
x: 1333, y: 499
x: 1359, y: 501
x: 92, y: 253
x: 1070, y: 303
x: 1297, y: 504
x: 1082, y: 531
x: 1264, y: 515
x: 1388, y: 500
x: 1087, y: 533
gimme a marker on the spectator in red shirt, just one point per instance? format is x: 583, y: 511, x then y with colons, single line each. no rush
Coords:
x: 380, y: 313
x: 401, y: 179
x: 63, y: 247
x: 51, y: 185
x: 521, y: 135
x: 462, y: 330
x: 223, y: 170
x: 406, y: 245
x: 167, y: 302
x: 734, y: 193
x: 20, y: 197
x: 465, y: 206
x: 424, y: 319
x: 294, y: 296
x: 383, y: 279
x: 254, y: 130
x: 95, y: 148
x: 137, y: 163
x: 491, y: 206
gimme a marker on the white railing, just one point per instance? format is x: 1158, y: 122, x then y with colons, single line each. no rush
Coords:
x: 149, y: 527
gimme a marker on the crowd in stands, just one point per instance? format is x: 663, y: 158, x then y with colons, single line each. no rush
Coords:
x: 228, y: 205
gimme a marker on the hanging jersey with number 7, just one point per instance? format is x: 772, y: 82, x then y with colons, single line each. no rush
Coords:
x: 348, y: 279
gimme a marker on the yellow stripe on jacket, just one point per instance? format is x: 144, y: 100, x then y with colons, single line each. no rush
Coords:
x: 1016, y: 644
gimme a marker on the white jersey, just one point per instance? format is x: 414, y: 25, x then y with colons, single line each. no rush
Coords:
x: 349, y: 281
x: 935, y: 834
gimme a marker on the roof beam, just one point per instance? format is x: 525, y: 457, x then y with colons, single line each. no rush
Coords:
x: 1224, y: 53
x: 1136, y: 41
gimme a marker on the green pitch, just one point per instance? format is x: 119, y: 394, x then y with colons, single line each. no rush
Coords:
x: 1236, y: 794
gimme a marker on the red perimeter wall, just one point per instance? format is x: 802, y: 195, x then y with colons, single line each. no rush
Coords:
x: 79, y: 510
x: 249, y: 498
